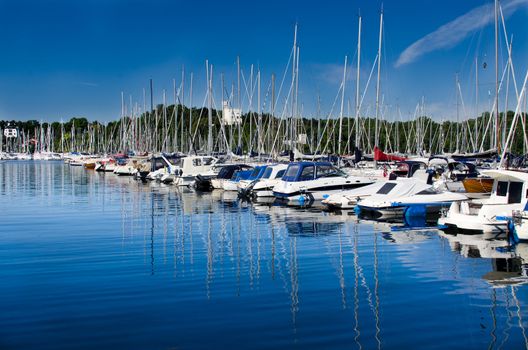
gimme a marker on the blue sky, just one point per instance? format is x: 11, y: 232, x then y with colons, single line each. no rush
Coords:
x: 61, y: 59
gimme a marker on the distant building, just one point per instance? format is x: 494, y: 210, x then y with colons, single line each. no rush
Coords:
x: 231, y: 115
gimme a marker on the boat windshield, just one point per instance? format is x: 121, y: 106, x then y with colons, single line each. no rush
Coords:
x: 175, y: 161
x: 292, y: 171
x: 329, y: 171
x: 207, y: 160
x: 307, y: 173
x: 280, y: 174
x: 267, y: 173
x: 255, y: 172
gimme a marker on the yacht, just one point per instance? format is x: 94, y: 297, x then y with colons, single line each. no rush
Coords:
x: 226, y: 173
x: 349, y: 199
x: 257, y: 174
x: 271, y: 177
x: 490, y: 215
x: 164, y: 168
x: 193, y: 166
x: 409, y: 197
x: 313, y: 181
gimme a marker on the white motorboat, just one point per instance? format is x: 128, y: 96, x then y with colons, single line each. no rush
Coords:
x: 264, y: 186
x: 409, y: 197
x: 225, y: 174
x: 349, y: 199
x: 232, y: 184
x: 313, y: 181
x: 490, y: 215
x: 164, y: 168
x: 130, y: 168
x: 193, y: 166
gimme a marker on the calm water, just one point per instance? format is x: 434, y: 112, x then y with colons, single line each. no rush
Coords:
x: 96, y: 261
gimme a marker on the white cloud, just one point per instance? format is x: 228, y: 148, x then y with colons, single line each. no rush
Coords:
x: 457, y: 30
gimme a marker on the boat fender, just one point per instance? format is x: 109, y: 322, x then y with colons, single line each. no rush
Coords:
x: 512, y: 234
x: 302, y: 199
x: 415, y: 210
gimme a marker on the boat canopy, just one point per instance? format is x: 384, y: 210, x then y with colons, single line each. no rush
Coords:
x: 241, y: 175
x: 305, y: 171
x: 227, y: 171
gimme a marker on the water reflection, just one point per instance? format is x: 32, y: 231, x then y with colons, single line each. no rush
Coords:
x: 267, y: 275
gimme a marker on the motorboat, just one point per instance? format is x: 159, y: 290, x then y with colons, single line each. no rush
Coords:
x: 271, y: 177
x: 409, y: 197
x: 257, y: 174
x: 348, y: 199
x: 226, y: 173
x: 231, y: 184
x: 164, y: 168
x: 490, y: 215
x: 313, y: 181
x: 132, y: 167
x: 193, y: 166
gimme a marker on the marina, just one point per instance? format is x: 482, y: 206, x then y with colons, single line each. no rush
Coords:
x: 233, y: 175
x: 107, y: 259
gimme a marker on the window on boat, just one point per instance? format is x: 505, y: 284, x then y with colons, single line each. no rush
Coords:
x: 255, y: 172
x: 175, y: 161
x: 515, y: 192
x: 225, y: 173
x: 280, y: 174
x: 207, y: 161
x: 307, y: 173
x: 328, y: 171
x: 159, y: 164
x: 197, y: 162
x: 386, y: 188
x: 267, y: 173
x: 502, y: 188
x: 292, y: 171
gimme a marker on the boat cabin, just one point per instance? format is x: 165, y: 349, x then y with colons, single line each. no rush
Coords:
x: 196, y: 165
x: 306, y: 171
x: 509, y: 187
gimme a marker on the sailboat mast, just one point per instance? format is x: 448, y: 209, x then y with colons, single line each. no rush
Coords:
x: 376, y: 133
x: 239, y: 105
x: 182, y: 99
x: 190, y: 115
x: 357, y: 81
x: 210, y: 109
x: 497, y: 131
x: 342, y: 106
x: 457, y: 116
x: 293, y: 84
x: 476, y: 104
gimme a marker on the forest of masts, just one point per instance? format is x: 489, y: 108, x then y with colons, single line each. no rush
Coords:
x: 269, y: 128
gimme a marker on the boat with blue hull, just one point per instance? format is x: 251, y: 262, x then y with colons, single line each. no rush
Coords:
x: 409, y: 198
